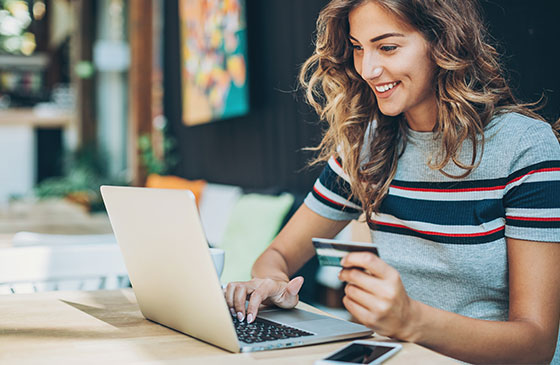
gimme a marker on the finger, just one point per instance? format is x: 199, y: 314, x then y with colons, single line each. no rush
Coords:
x: 239, y: 300
x: 363, y: 280
x: 289, y: 297
x: 231, y: 289
x: 365, y: 299
x: 294, y: 286
x: 359, y: 312
x: 367, y: 261
x: 229, y: 294
x: 255, y: 300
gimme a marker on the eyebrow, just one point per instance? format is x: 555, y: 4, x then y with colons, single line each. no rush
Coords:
x: 383, y: 36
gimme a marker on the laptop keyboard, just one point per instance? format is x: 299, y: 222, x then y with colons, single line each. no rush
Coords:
x: 262, y: 330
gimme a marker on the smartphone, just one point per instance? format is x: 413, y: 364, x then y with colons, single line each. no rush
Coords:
x: 330, y: 252
x: 362, y: 352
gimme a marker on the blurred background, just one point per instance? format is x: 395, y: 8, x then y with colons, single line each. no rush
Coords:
x: 114, y: 91
x: 82, y: 82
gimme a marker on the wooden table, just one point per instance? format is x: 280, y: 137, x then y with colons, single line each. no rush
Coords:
x: 46, y: 118
x: 54, y: 216
x: 106, y: 327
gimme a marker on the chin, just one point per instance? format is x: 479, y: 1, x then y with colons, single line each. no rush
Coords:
x: 390, y: 113
x: 389, y: 108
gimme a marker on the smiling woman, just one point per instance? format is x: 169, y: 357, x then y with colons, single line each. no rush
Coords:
x: 458, y: 182
x: 396, y: 64
x: 448, y: 80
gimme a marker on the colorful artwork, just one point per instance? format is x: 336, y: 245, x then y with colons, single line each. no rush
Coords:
x: 213, y: 60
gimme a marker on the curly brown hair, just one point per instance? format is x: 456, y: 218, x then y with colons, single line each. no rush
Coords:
x: 469, y: 84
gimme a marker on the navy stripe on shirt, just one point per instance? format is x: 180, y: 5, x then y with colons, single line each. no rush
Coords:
x: 488, y: 184
x: 539, y: 194
x: 331, y: 203
x: 465, y: 239
x: 551, y: 165
x: 466, y: 212
x: 333, y: 182
x: 533, y: 222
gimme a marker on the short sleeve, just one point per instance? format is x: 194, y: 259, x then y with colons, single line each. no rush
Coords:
x: 331, y: 194
x: 532, y: 193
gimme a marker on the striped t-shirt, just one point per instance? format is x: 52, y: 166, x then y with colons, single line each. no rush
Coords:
x: 446, y: 236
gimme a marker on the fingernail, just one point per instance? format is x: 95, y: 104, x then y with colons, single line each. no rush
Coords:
x: 240, y: 316
x: 232, y: 311
x: 250, y: 318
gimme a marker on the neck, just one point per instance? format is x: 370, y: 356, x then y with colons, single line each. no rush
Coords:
x: 423, y: 118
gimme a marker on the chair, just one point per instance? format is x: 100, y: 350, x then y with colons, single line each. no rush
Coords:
x: 254, y: 222
x: 216, y: 207
x: 43, y: 262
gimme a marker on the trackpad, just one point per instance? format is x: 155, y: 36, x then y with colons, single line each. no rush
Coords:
x: 288, y: 315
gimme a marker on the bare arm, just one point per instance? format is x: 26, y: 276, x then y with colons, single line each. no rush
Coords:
x: 292, y: 248
x: 289, y: 251
x: 529, y: 336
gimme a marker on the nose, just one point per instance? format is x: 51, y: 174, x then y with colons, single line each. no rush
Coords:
x: 371, y: 69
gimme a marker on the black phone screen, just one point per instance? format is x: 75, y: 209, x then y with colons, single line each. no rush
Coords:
x: 359, y: 353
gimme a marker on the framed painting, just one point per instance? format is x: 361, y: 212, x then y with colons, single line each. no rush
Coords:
x: 213, y: 60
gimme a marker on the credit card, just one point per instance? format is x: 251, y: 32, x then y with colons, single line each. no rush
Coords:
x: 330, y: 252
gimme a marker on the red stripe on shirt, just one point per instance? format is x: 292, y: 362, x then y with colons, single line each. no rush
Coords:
x: 550, y: 169
x: 338, y: 163
x: 466, y: 190
x: 330, y: 200
x: 442, y: 234
x: 450, y: 190
x: 534, y: 219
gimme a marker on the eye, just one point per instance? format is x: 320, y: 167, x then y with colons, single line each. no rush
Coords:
x: 356, y: 47
x: 388, y: 48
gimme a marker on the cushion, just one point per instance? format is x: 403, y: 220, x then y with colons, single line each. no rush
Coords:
x: 216, y: 207
x: 253, y: 224
x: 175, y: 182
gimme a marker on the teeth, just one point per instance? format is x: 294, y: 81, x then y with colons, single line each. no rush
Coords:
x: 384, y: 88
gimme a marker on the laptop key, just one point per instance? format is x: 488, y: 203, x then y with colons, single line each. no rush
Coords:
x: 262, y: 330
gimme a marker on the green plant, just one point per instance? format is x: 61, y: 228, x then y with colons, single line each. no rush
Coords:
x: 150, y: 159
x: 79, y: 179
x: 81, y: 182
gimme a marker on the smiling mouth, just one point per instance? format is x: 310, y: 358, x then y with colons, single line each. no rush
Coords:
x: 386, y: 87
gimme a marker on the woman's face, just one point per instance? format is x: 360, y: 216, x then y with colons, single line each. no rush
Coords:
x: 393, y: 59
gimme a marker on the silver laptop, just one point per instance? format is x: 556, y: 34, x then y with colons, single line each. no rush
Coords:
x: 175, y: 282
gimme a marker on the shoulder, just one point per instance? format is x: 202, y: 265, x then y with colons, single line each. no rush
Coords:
x: 516, y: 125
x: 515, y: 144
x: 515, y: 121
x: 526, y: 140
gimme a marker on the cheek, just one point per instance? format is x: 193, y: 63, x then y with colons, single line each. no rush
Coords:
x: 358, y: 65
x: 425, y: 67
x: 420, y: 70
x: 425, y: 77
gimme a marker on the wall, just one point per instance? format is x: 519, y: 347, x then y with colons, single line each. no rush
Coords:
x: 527, y: 33
x: 263, y: 149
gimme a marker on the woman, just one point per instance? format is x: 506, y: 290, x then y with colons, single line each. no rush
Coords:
x: 459, y: 183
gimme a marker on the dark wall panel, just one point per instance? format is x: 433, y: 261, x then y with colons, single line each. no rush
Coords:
x: 527, y: 34
x: 262, y: 150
